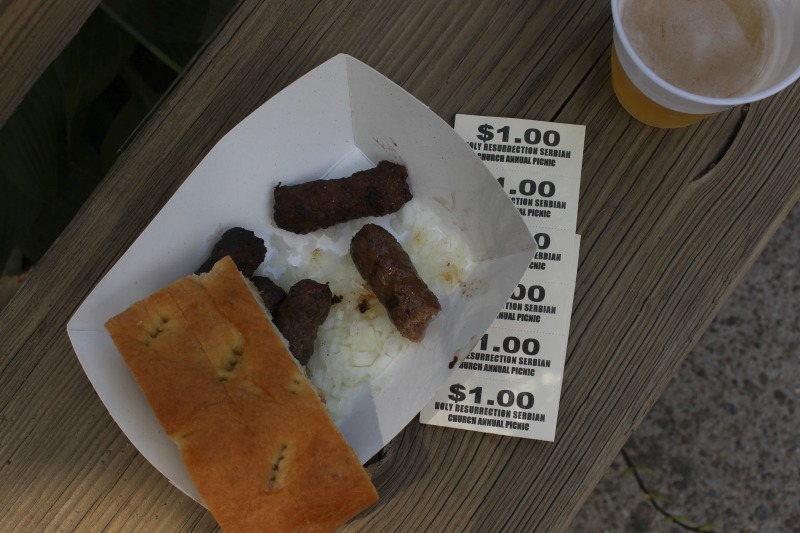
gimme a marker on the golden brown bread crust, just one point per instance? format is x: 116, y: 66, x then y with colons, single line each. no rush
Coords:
x: 256, y: 440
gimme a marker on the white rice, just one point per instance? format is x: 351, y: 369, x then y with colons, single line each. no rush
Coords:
x: 352, y: 346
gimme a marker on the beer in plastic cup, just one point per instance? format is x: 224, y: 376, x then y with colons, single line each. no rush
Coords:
x: 675, y: 62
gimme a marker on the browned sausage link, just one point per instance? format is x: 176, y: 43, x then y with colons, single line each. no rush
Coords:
x: 318, y: 204
x: 271, y: 293
x: 388, y: 270
x: 301, y: 313
x: 245, y: 248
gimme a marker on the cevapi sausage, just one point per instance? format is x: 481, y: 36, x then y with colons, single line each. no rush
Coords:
x: 300, y: 315
x: 388, y: 270
x: 245, y: 248
x: 271, y: 293
x: 318, y: 204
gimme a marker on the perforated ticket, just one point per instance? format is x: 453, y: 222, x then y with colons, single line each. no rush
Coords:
x: 510, y: 384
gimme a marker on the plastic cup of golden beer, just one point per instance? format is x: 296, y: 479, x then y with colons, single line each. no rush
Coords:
x: 675, y: 62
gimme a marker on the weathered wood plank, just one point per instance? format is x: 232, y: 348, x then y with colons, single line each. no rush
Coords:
x: 670, y: 222
x: 32, y: 34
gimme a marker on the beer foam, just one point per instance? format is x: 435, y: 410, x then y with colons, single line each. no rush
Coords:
x: 716, y: 48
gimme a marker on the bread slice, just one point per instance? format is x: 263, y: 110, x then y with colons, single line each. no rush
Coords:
x: 255, y: 438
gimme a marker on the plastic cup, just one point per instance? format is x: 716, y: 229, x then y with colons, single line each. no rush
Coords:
x: 655, y: 102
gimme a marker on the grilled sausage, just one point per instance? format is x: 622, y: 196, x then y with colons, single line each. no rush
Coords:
x: 388, y: 270
x: 299, y: 316
x: 245, y: 248
x: 271, y: 293
x: 318, y: 204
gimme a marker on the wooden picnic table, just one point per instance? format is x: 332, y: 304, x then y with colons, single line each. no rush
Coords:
x: 671, y: 220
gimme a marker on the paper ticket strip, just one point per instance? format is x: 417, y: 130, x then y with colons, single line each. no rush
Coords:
x: 510, y: 384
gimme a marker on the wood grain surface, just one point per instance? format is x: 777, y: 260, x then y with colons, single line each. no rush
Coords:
x: 670, y: 221
x: 32, y: 34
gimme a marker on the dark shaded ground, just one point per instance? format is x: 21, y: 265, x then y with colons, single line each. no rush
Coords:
x: 723, y: 441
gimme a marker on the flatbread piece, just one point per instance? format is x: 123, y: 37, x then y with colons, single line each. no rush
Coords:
x: 255, y: 437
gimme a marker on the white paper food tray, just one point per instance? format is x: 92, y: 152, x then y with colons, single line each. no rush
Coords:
x: 339, y: 118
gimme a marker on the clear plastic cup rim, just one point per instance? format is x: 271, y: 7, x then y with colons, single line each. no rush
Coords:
x: 691, y: 97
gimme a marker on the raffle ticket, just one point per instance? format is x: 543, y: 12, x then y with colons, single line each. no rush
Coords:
x: 510, y: 384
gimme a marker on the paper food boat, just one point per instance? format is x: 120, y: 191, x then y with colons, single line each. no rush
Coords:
x: 339, y: 118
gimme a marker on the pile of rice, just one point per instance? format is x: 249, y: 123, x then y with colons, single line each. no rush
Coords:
x: 357, y: 342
